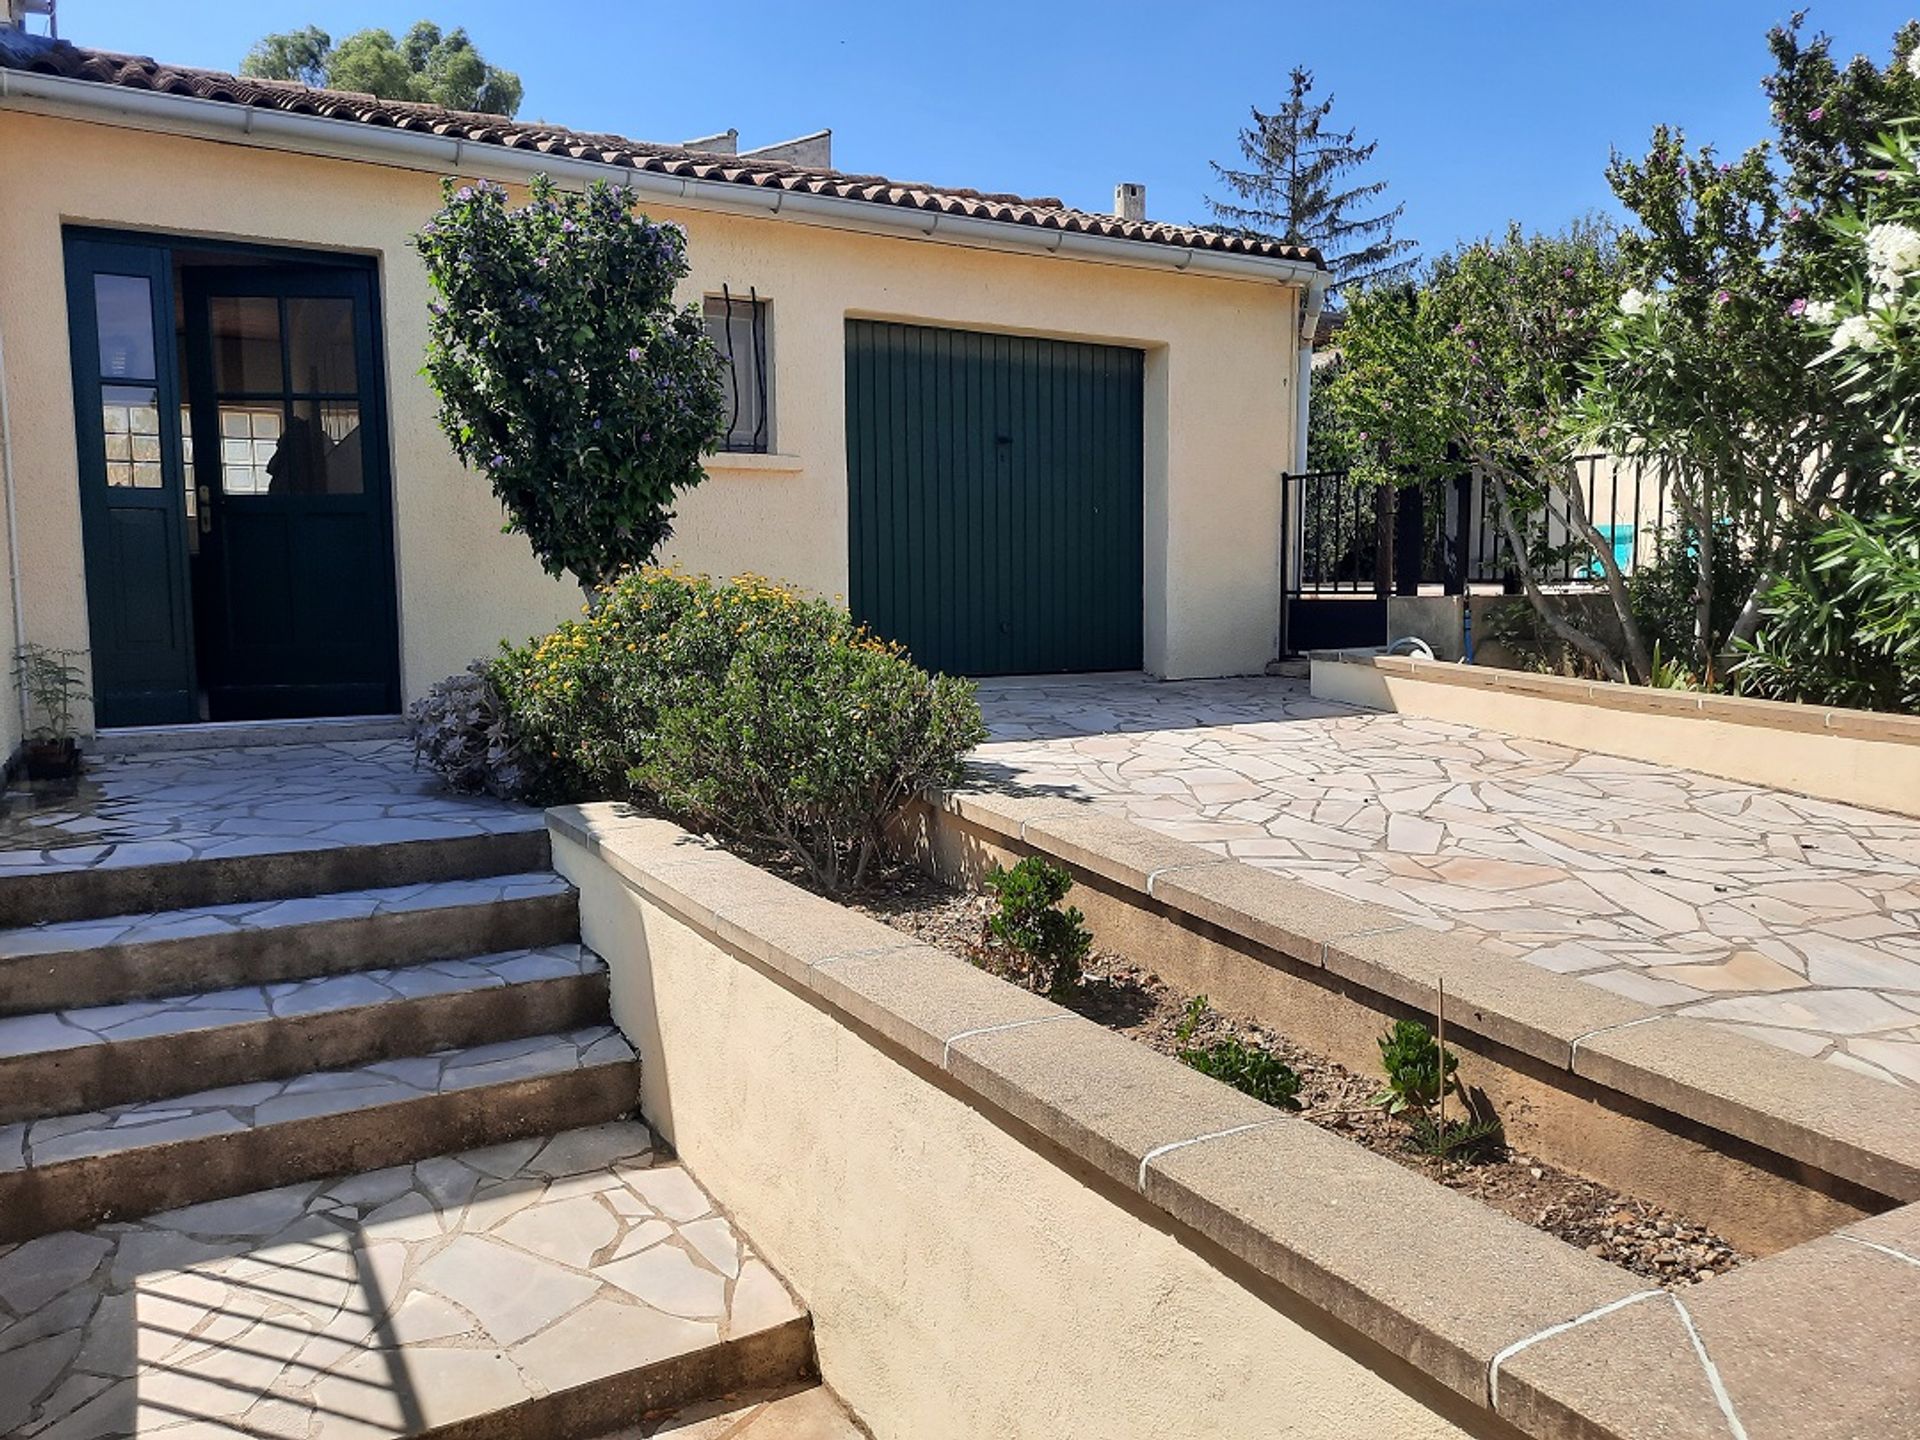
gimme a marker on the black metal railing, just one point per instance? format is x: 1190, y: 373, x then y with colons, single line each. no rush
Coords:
x: 1346, y: 537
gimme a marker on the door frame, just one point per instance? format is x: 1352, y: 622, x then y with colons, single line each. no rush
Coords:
x: 1009, y: 395
x: 162, y: 247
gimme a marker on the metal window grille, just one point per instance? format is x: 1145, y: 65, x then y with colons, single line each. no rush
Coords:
x: 739, y: 329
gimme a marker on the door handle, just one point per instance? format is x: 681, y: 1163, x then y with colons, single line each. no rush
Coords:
x: 205, y: 508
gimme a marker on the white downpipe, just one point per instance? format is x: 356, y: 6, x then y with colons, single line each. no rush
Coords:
x: 1313, y: 300
x: 13, y: 529
x: 408, y: 149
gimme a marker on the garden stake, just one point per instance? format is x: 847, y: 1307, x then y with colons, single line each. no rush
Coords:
x: 1440, y: 1047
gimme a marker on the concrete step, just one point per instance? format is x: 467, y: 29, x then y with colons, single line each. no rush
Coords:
x: 84, y: 882
x: 68, y: 1061
x: 544, y: 1288
x: 117, y: 958
x: 244, y: 734
x: 792, y: 1412
x: 64, y: 1171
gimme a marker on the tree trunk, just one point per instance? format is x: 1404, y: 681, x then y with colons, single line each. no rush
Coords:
x: 1586, y: 644
x: 1697, y: 513
x: 1639, y: 663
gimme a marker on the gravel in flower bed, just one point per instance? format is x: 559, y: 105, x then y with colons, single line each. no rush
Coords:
x: 1647, y: 1239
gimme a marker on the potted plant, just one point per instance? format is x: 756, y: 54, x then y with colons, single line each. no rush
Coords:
x: 51, y: 682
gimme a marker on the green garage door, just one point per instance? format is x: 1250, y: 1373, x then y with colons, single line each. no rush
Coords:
x: 995, y: 507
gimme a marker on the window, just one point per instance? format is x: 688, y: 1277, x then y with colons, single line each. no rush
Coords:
x: 738, y: 326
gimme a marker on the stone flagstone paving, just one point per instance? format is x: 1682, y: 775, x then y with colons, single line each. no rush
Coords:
x: 205, y: 804
x: 505, y: 1273
x: 1790, y: 919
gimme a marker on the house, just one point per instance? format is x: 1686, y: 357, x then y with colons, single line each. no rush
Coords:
x: 1018, y: 436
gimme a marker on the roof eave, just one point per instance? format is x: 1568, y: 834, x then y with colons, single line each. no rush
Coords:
x: 441, y: 154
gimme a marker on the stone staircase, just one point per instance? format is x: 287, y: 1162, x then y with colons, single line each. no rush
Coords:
x: 329, y: 1139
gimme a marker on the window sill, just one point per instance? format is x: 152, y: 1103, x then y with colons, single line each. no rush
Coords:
x: 750, y: 461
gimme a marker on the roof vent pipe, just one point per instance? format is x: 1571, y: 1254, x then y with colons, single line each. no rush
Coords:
x: 1130, y: 201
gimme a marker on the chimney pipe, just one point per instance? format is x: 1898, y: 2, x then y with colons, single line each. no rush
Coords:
x: 1130, y: 201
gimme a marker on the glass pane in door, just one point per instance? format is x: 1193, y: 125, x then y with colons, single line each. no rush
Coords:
x: 245, y: 331
x: 320, y: 345
x: 326, y: 461
x: 123, y: 318
x: 250, y: 447
x: 130, y: 418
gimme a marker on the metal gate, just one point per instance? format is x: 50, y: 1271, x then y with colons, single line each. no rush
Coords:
x: 995, y: 498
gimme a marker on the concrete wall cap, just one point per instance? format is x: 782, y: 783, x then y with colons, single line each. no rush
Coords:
x: 1115, y: 848
x: 1645, y: 699
x: 1431, y: 1273
x: 1510, y: 1002
x: 1853, y: 1126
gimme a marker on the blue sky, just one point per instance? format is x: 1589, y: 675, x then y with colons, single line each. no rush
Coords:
x: 1484, y: 109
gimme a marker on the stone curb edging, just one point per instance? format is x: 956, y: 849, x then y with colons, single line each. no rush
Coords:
x: 1471, y: 1298
x: 1853, y: 1127
x: 1733, y: 709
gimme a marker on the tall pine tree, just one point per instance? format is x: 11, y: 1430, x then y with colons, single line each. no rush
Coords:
x: 1294, y: 190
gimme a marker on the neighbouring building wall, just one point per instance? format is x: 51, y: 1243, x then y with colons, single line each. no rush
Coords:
x: 1218, y: 409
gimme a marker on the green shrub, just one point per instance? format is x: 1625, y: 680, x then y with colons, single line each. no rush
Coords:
x: 1470, y: 1139
x: 1247, y: 1068
x: 1053, y: 941
x: 569, y: 371
x: 744, y: 709
x: 1413, y: 1065
x: 1250, y: 1070
x: 586, y: 696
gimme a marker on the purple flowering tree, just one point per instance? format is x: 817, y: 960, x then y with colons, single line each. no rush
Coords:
x: 566, y: 371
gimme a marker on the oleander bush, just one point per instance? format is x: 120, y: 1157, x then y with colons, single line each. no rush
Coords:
x: 745, y: 709
x: 1031, y: 917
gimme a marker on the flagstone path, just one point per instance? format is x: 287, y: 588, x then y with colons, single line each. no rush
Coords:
x: 1791, y: 919
x: 377, y: 1304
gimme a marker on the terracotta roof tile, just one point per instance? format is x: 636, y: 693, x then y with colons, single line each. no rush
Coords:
x: 137, y: 73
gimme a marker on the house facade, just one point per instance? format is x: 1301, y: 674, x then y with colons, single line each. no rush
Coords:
x: 1017, y: 436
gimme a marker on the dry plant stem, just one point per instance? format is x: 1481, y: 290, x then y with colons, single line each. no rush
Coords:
x: 1440, y: 1045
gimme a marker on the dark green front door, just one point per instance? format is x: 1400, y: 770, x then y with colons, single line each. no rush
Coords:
x: 132, y: 495
x: 293, y: 592
x: 995, y: 498
x: 234, y: 486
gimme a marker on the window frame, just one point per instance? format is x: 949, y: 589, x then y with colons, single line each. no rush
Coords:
x: 724, y: 314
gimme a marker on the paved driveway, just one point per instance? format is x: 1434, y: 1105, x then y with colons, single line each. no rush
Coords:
x: 1794, y: 920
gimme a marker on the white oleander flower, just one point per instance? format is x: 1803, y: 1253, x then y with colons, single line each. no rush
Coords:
x: 1821, y: 312
x: 1856, y: 332
x: 1893, y: 253
x: 1635, y: 302
x: 1913, y: 62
